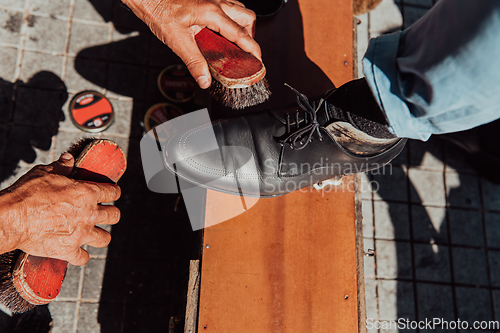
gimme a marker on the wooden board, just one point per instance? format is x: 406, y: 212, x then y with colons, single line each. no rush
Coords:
x: 288, y: 264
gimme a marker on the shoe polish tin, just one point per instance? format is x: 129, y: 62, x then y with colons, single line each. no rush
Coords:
x: 91, y: 111
x: 159, y: 114
x: 176, y: 84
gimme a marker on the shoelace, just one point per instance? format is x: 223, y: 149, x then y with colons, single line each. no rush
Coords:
x: 307, y: 131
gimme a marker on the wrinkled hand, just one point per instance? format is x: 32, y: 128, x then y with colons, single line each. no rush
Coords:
x: 176, y: 22
x: 47, y: 214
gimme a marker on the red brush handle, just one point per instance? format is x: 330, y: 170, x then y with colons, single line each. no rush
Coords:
x: 229, y: 64
x: 38, y: 280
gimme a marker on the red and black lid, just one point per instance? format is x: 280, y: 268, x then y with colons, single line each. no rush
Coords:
x: 91, y: 111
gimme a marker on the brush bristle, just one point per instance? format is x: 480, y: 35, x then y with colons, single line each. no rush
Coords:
x: 240, y: 98
x: 77, y: 148
x: 9, y: 296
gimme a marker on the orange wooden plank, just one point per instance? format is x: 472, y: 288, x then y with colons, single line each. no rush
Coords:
x: 287, y: 263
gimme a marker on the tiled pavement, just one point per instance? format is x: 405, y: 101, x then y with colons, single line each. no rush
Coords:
x: 433, y: 223
x: 50, y: 50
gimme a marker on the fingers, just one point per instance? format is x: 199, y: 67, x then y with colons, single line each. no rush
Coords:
x: 235, y: 33
x: 100, y: 238
x: 241, y: 15
x: 105, y: 193
x: 79, y: 258
x: 108, y: 215
x: 186, y: 48
x: 64, y: 165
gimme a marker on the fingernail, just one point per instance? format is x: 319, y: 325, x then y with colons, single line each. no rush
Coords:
x: 203, y: 82
x: 66, y: 156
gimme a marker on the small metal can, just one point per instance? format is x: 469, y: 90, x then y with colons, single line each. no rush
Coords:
x: 91, y: 111
x: 159, y: 114
x: 176, y: 84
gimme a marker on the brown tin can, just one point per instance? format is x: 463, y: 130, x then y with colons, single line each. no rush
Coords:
x: 176, y: 84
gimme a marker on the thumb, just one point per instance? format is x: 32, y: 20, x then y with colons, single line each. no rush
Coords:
x: 194, y: 60
x: 64, y: 165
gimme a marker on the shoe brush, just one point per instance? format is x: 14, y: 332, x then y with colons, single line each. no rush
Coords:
x: 27, y: 281
x: 238, y: 76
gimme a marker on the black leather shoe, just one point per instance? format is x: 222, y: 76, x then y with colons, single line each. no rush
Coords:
x: 276, y: 152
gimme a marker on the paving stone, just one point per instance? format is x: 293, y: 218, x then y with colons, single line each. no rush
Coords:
x: 367, y: 209
x: 8, y: 64
x: 432, y: 262
x: 97, y: 11
x: 42, y: 70
x: 66, y: 124
x: 469, y: 266
x: 153, y: 94
x: 369, y: 262
x: 412, y: 14
x: 396, y: 300
x: 148, y: 282
x: 426, y: 155
x: 366, y: 188
x: 89, y: 41
x: 491, y: 195
x: 11, y: 173
x: 492, y: 222
x: 371, y: 299
x: 63, y: 316
x: 389, y: 183
x: 93, y: 277
x: 64, y: 140
x: 466, y: 227
x: 85, y: 74
x: 462, y: 190
x: 88, y: 321
x: 123, y: 117
x: 140, y: 318
x: 496, y: 303
x: 129, y: 47
x: 391, y: 221
x: 473, y: 304
x: 124, y: 18
x: 362, y: 41
x: 386, y: 17
x: 71, y: 285
x: 160, y: 55
x: 114, y: 282
x: 126, y: 81
x: 46, y: 33
x: 6, y: 104
x: 456, y: 159
x: 393, y: 259
x: 3, y: 142
x: 39, y: 108
x: 427, y: 187
x: 28, y: 144
x: 429, y: 224
x: 139, y: 110
x: 10, y: 26
x: 49, y: 7
x: 402, y: 158
x: 434, y: 301
x: 494, y: 261
x: 13, y: 4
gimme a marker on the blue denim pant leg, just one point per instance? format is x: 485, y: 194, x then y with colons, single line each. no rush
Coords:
x: 442, y: 74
